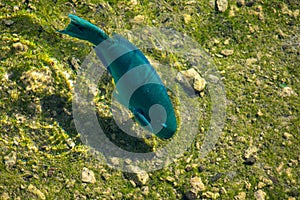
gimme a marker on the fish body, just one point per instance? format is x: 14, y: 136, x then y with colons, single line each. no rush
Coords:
x: 138, y: 86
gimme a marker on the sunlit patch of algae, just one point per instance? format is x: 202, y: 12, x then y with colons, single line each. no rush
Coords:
x: 258, y: 152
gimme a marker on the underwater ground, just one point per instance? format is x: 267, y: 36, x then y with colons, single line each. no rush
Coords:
x: 255, y: 45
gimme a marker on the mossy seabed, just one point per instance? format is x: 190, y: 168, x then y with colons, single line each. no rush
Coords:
x: 40, y: 147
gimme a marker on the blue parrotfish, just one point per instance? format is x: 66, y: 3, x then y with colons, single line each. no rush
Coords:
x: 138, y: 86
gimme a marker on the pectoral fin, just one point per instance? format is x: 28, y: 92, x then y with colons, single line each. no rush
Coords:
x: 143, y: 121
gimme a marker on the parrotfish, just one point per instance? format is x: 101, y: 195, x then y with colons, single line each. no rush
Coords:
x: 138, y: 86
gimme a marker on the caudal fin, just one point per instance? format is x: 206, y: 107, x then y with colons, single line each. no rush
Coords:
x: 82, y: 29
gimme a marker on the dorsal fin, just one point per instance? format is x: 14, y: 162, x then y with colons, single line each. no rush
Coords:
x: 119, y: 39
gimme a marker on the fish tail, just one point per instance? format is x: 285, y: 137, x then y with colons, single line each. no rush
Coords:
x: 82, y: 29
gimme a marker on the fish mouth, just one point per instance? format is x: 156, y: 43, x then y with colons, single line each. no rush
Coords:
x: 166, y: 132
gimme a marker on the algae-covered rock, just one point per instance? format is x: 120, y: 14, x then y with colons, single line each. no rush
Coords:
x: 193, y: 78
x: 140, y: 177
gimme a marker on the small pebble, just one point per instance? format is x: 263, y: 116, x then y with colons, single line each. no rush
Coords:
x: 8, y: 22
x: 259, y: 113
x: 19, y: 47
x: 287, y: 92
x: 251, y: 61
x: 193, y: 78
x: 197, y: 184
x: 34, y: 190
x: 240, y: 196
x: 75, y: 63
x: 250, y: 151
x: 227, y: 42
x: 145, y: 190
x: 250, y: 161
x: 70, y: 143
x: 10, y: 160
x: 187, y: 18
x: 190, y: 195
x: 138, y: 19
x: 241, y: 2
x: 261, y: 185
x: 140, y: 177
x: 250, y: 3
x: 211, y: 195
x: 115, y: 161
x: 4, y: 196
x: 16, y: 8
x: 227, y: 52
x: 260, y: 195
x: 87, y: 176
x: 222, y: 5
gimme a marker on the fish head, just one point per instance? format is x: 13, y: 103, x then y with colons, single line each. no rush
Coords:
x: 168, y: 128
x: 160, y: 121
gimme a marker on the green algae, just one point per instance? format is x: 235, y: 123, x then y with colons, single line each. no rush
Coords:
x: 36, y: 115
